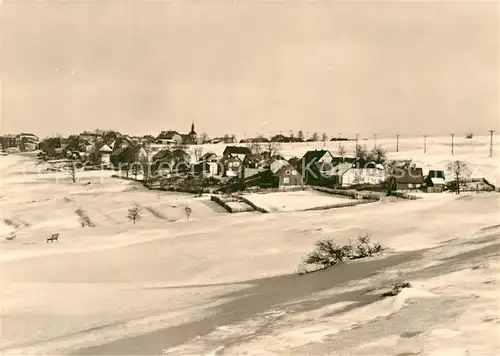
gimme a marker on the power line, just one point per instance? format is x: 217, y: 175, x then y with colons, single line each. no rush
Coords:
x: 491, y: 142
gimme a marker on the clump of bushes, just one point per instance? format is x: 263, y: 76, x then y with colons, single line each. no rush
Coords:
x: 84, y: 218
x: 327, y: 253
x: 396, y: 289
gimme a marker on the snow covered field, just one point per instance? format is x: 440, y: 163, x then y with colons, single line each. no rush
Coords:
x: 294, y: 201
x: 224, y: 283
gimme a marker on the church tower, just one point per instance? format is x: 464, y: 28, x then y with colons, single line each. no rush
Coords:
x: 192, y: 133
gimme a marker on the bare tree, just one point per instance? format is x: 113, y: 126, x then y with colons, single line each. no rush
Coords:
x: 198, y: 152
x: 136, y: 168
x: 300, y: 135
x: 273, y: 148
x: 378, y: 155
x: 390, y: 178
x: 203, y: 138
x: 254, y: 148
x: 291, y: 134
x: 71, y: 170
x: 324, y: 138
x: 134, y: 213
x: 341, y: 151
x: 361, y: 153
x: 233, y: 138
x: 460, y: 171
x: 315, y: 136
x: 188, y: 211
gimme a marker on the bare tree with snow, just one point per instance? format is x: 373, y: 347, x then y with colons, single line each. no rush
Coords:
x: 460, y: 171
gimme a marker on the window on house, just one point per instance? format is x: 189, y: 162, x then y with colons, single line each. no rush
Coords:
x: 410, y: 185
x: 294, y: 173
x: 288, y: 173
x: 286, y: 180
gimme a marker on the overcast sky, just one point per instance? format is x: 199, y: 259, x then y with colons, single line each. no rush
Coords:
x: 380, y: 68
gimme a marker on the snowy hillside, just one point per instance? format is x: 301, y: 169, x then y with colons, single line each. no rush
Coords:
x: 224, y: 283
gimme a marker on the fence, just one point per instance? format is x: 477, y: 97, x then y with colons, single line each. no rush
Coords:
x: 348, y: 193
x: 222, y: 203
x: 258, y: 208
x: 341, y: 205
x: 278, y: 190
x: 405, y: 196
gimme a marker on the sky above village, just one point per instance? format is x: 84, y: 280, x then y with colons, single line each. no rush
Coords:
x: 240, y: 67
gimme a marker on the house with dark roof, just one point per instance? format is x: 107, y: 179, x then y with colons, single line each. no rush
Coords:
x: 315, y: 166
x: 169, y: 138
x: 435, y: 181
x: 207, y: 165
x: 408, y: 178
x: 128, y: 155
x: 8, y: 141
x: 236, y: 160
x: 285, y: 173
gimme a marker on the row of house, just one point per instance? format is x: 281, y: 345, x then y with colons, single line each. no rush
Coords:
x: 318, y: 167
x: 22, y: 142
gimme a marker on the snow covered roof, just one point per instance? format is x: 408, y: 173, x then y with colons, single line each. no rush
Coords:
x: 106, y: 148
x: 277, y: 165
x: 340, y: 169
x: 437, y: 181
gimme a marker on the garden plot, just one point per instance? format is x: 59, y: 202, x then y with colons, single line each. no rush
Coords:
x: 295, y: 201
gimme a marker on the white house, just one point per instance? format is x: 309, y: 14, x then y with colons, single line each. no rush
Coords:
x: 105, y: 155
x: 347, y: 174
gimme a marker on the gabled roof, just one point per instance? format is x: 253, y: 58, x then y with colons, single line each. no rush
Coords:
x: 436, y: 174
x: 207, y: 155
x: 105, y: 148
x: 314, y: 155
x: 277, y: 165
x: 341, y: 169
x: 161, y: 154
x: 167, y: 135
x: 119, y: 151
x: 437, y: 181
x: 240, y: 150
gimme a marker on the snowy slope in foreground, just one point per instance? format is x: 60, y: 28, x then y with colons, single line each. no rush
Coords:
x: 226, y: 274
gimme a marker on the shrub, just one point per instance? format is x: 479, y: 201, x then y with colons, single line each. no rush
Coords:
x: 365, y: 248
x: 327, y: 253
x: 396, y: 289
x: 134, y: 213
x: 84, y: 218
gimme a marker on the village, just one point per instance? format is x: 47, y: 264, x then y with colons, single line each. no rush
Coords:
x: 228, y: 170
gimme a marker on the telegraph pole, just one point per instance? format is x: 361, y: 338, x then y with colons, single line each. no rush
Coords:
x: 375, y: 141
x: 452, y: 136
x: 357, y: 139
x: 425, y: 144
x: 491, y: 142
x: 397, y: 143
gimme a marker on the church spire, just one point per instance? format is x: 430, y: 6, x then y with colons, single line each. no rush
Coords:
x: 192, y: 127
